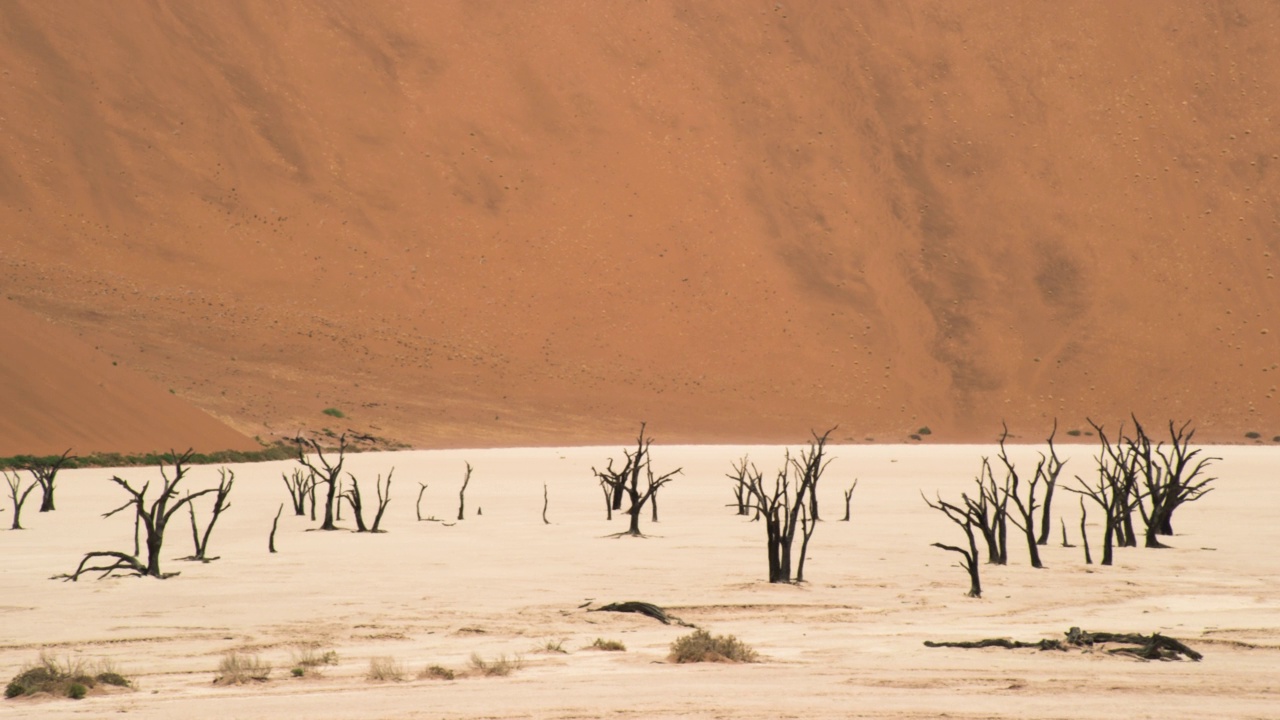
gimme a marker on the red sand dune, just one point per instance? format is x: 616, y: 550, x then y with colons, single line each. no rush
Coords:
x: 475, y: 224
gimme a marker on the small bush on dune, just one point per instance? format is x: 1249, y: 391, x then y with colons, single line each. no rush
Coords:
x: 700, y: 646
x: 608, y: 645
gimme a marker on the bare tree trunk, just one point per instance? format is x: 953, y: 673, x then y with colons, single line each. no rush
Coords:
x: 462, y: 493
x: 271, y: 539
x: 848, y: 495
x: 384, y: 499
x: 18, y: 496
x: 545, y: 502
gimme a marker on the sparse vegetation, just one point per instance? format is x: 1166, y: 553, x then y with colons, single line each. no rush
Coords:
x: 277, y: 451
x: 554, y: 646
x: 238, y: 669
x: 499, y: 667
x: 334, y: 412
x: 307, y: 658
x: 61, y: 679
x: 701, y: 646
x: 608, y: 645
x: 385, y: 669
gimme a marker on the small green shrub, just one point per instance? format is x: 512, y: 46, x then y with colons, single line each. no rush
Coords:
x: 608, y: 645
x: 1074, y: 433
x: 298, y: 672
x: 385, y: 668
x: 77, y: 691
x: 700, y: 646
x: 1253, y: 435
x: 237, y: 669
x: 436, y: 672
x: 333, y: 412
x: 924, y: 431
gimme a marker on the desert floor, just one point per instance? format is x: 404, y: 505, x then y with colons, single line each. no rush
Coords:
x: 846, y: 644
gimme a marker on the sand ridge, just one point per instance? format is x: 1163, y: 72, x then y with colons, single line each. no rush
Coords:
x: 500, y: 225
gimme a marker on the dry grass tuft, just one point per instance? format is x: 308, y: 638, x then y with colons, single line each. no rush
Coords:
x: 436, y: 672
x: 500, y: 667
x: 385, y: 669
x: 238, y: 669
x: 608, y: 645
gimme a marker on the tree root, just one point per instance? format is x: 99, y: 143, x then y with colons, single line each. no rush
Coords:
x: 1146, y: 647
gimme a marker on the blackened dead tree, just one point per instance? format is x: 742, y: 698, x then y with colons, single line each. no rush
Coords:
x: 989, y: 508
x: 45, y: 471
x: 357, y: 507
x: 626, y: 482
x: 326, y: 472
x: 18, y: 495
x: 787, y: 507
x: 1169, y: 477
x: 462, y: 500
x: 422, y: 488
x: 384, y: 498
x: 848, y: 496
x: 299, y: 485
x: 545, y: 501
x: 271, y: 539
x: 1026, y: 509
x: 1050, y: 466
x: 1109, y: 492
x: 153, y: 518
x: 227, y: 478
x: 964, y: 518
x: 741, y: 493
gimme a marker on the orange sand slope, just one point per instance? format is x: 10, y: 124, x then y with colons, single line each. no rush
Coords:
x: 846, y: 644
x: 59, y: 393
x: 493, y: 224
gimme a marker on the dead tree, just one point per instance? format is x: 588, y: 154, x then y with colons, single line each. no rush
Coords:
x: 787, y: 506
x: 1084, y: 536
x: 153, y: 519
x: 964, y: 518
x: 299, y: 485
x: 226, y: 479
x: 384, y: 498
x: 271, y: 539
x: 626, y: 482
x: 1026, y: 509
x: 741, y: 493
x: 607, y: 488
x: 18, y: 495
x: 545, y: 502
x: 462, y: 501
x: 1110, y: 492
x: 45, y: 471
x: 1169, y: 478
x: 989, y: 508
x: 422, y: 488
x: 848, y: 496
x: 327, y: 472
x: 1051, y: 467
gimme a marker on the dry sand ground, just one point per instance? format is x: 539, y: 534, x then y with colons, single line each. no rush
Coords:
x: 848, y: 644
